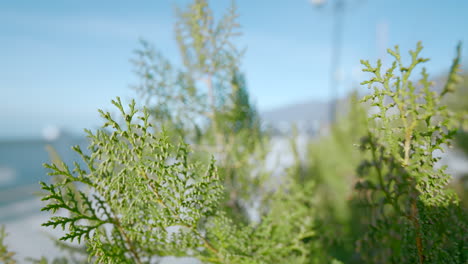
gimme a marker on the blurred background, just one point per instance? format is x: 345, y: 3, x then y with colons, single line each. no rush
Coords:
x: 60, y: 61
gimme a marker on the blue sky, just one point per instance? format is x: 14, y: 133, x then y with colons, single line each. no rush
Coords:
x: 62, y: 60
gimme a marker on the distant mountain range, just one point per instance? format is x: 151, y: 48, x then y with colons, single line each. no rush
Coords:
x: 311, y: 117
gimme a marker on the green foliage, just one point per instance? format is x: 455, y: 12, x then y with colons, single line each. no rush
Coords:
x: 178, y: 102
x: 207, y: 46
x: 139, y: 185
x: 242, y: 148
x: 210, y: 63
x: 6, y: 256
x: 287, y: 234
x: 60, y: 260
x: 334, y: 175
x: 458, y: 102
x: 413, y: 218
x: 238, y: 114
x: 332, y: 178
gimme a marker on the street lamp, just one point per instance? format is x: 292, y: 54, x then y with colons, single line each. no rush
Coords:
x: 337, y: 9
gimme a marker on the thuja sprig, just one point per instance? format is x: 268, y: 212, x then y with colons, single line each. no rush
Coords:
x: 136, y: 187
x: 401, y: 185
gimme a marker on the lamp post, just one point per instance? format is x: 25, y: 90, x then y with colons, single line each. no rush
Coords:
x: 337, y: 32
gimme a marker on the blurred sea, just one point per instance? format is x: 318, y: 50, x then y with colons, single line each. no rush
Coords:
x: 21, y: 165
x: 21, y: 171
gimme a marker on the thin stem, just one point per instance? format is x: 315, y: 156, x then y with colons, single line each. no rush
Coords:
x: 418, y: 239
x: 414, y: 207
x: 113, y: 219
x: 127, y: 240
x: 335, y: 59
